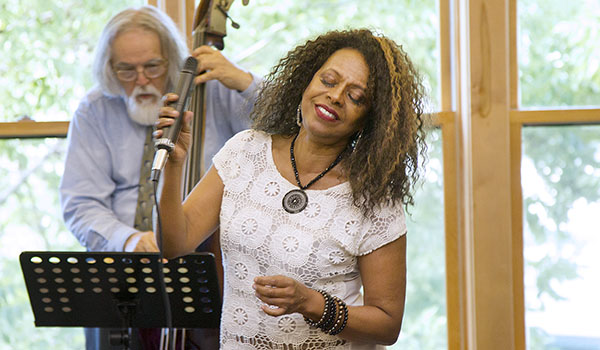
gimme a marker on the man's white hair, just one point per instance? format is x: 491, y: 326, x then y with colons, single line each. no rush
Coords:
x: 172, y: 44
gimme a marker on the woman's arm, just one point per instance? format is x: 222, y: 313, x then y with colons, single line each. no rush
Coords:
x: 185, y: 225
x: 383, y: 274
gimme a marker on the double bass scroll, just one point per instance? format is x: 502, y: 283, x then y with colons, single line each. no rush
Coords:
x: 210, y: 27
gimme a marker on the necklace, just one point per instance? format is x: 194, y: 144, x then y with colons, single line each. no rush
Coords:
x: 296, y: 200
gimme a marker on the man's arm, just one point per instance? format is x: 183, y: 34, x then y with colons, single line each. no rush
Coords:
x: 212, y: 65
x: 87, y: 188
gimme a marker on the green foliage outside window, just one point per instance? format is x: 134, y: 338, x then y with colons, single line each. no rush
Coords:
x: 269, y: 29
x: 47, y: 49
x: 559, y: 66
x: 561, y: 180
x: 559, y: 56
x: 30, y: 219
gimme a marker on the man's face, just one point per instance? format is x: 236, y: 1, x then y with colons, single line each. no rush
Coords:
x: 134, y: 49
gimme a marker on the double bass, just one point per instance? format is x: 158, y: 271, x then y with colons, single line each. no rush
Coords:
x: 209, y: 28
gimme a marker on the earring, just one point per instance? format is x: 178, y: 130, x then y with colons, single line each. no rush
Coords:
x: 299, y: 117
x: 356, y: 139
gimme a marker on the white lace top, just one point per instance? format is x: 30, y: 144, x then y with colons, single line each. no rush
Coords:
x: 318, y: 246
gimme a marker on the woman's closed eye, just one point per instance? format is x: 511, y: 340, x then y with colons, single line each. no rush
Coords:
x: 356, y: 98
x: 355, y: 95
x: 328, y: 82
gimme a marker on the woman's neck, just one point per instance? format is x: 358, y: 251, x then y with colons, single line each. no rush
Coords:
x: 311, y: 159
x: 314, y: 153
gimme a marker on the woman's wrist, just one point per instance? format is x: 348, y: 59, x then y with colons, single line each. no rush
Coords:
x: 334, y: 315
x: 316, y: 313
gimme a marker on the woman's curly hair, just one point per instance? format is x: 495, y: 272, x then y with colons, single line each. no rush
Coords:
x: 384, y: 166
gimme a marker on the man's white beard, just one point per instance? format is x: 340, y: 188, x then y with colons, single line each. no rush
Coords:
x: 146, y: 112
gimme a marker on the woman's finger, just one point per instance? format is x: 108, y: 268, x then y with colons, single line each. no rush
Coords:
x: 273, y: 311
x: 274, y: 281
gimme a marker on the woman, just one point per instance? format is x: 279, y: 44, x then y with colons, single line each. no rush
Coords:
x: 310, y: 201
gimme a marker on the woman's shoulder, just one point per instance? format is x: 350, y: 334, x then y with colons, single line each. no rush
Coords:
x: 363, y: 234
x: 250, y: 136
x: 246, y: 143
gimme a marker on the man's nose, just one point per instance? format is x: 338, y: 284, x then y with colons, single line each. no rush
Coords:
x: 141, y: 77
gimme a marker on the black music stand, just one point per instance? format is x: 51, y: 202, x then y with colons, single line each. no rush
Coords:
x: 120, y: 290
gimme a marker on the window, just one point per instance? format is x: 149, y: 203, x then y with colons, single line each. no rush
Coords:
x: 559, y: 59
x: 558, y: 68
x: 561, y: 200
x: 269, y: 29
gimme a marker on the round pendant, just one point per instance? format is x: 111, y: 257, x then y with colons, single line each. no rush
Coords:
x: 294, y: 201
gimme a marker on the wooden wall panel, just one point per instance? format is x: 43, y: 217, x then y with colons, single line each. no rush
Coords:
x: 485, y: 195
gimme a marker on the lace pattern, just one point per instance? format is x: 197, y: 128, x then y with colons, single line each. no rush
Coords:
x: 318, y: 246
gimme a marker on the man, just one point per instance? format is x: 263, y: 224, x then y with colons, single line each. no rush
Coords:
x: 138, y: 59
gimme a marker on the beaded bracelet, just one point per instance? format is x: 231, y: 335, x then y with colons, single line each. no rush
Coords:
x: 342, y: 318
x: 334, y: 317
x: 331, y: 317
x: 325, y: 318
x: 337, y: 319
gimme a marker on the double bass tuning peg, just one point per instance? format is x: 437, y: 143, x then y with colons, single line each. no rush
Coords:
x: 234, y: 24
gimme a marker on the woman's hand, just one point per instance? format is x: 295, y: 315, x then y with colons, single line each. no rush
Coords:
x: 166, y: 118
x: 284, y: 295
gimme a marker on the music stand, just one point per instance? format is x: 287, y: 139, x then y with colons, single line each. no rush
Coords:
x: 120, y: 290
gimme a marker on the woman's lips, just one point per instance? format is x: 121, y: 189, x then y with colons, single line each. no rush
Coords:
x: 326, y: 113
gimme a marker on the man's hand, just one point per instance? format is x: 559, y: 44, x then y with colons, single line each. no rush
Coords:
x: 141, y: 242
x: 213, y: 65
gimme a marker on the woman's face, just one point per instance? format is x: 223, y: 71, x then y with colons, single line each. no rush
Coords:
x: 335, y: 102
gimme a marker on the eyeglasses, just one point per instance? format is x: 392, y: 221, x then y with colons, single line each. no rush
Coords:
x: 151, y: 69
